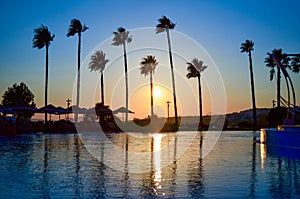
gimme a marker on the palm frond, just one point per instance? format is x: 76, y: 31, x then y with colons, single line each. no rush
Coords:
x: 272, y: 74
x: 164, y: 23
x: 144, y: 71
x: 247, y: 46
x: 42, y: 37
x: 282, y: 57
x: 195, y: 68
x: 269, y: 61
x: 121, y: 29
x: 98, y: 61
x: 148, y: 65
x: 192, y: 71
x: 121, y: 36
x: 159, y: 28
x: 129, y: 39
x: 84, y: 28
x: 295, y: 64
x: 76, y: 27
x: 199, y: 65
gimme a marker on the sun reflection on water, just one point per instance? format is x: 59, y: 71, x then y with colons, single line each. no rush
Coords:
x: 263, y: 148
x: 157, y: 138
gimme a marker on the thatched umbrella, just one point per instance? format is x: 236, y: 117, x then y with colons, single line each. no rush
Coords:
x: 62, y: 111
x: 50, y: 109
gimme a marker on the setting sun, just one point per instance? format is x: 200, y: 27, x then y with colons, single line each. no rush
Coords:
x: 157, y: 93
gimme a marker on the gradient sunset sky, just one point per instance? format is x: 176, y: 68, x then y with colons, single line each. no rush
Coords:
x: 219, y: 27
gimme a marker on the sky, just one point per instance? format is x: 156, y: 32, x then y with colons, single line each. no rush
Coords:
x: 209, y: 30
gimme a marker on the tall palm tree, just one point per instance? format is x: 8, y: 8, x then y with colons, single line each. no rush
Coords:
x: 98, y: 63
x: 247, y: 47
x: 284, y: 59
x: 77, y: 28
x: 148, y: 65
x: 195, y: 68
x: 121, y: 37
x: 165, y: 25
x: 43, y: 38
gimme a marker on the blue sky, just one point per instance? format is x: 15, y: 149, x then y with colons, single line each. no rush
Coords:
x: 219, y: 26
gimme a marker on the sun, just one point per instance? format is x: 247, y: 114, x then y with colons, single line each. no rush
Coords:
x: 157, y: 93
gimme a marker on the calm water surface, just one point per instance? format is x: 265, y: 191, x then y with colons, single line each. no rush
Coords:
x: 60, y: 166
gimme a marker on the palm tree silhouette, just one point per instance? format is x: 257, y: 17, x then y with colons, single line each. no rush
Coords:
x: 195, y: 68
x: 120, y: 38
x: 98, y: 63
x: 247, y: 47
x: 148, y: 65
x: 284, y: 59
x: 43, y: 38
x: 77, y: 27
x: 165, y: 24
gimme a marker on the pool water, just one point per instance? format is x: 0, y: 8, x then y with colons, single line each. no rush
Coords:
x: 60, y: 166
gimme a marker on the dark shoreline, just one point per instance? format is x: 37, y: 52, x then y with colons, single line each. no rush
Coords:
x: 65, y: 126
x: 109, y: 132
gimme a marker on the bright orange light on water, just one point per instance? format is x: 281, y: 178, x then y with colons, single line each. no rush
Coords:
x: 157, y: 157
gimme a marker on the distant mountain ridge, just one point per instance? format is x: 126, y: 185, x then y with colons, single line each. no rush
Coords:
x: 235, y: 119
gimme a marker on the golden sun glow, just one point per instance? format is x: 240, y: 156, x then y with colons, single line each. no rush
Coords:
x: 140, y: 103
x: 157, y: 93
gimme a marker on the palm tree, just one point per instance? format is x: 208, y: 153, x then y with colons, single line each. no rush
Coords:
x: 120, y: 38
x: 247, y: 47
x: 148, y: 65
x: 43, y: 38
x: 165, y: 24
x: 284, y: 59
x: 77, y: 27
x: 195, y: 68
x: 98, y: 63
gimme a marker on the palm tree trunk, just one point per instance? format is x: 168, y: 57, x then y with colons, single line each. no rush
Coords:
x: 102, y: 88
x: 173, y: 78
x: 252, y: 91
x: 200, y: 103
x: 78, y: 77
x: 278, y: 86
x: 126, y: 82
x: 46, y: 85
x: 151, y: 93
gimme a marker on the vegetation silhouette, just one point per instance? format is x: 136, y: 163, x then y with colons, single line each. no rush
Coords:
x: 43, y: 38
x: 276, y: 116
x: 77, y: 28
x: 97, y: 63
x: 295, y: 64
x: 165, y: 25
x: 21, y: 99
x: 121, y: 37
x: 18, y: 94
x: 106, y: 118
x: 247, y: 47
x: 284, y: 59
x: 148, y: 65
x: 195, y: 68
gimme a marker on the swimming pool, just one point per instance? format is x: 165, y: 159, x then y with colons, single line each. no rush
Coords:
x: 60, y: 166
